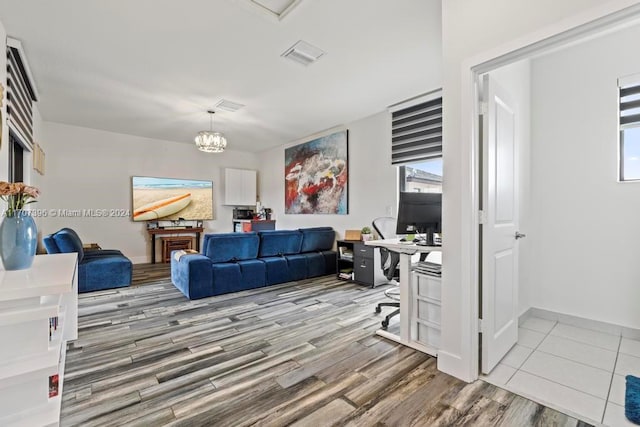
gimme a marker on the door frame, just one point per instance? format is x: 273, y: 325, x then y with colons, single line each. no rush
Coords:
x: 595, y: 22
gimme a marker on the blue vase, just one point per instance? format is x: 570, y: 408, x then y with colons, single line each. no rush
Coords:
x: 18, y: 240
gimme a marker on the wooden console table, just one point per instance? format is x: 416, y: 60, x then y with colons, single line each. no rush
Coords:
x: 153, y: 233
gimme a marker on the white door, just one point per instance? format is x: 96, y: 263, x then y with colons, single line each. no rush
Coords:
x: 499, y: 226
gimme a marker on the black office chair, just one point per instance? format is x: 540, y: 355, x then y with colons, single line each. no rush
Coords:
x: 386, y: 229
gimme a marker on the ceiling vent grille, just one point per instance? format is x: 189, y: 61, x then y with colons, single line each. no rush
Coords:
x: 227, y: 105
x: 277, y: 9
x: 303, y: 53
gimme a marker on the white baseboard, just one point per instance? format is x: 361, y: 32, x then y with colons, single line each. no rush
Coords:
x: 139, y: 260
x: 581, y: 322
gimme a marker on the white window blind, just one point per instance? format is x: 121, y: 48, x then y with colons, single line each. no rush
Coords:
x: 416, y: 132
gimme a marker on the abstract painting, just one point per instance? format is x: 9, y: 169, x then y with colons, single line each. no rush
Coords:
x: 316, y: 176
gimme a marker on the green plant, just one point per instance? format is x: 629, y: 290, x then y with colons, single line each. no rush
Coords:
x: 365, y: 230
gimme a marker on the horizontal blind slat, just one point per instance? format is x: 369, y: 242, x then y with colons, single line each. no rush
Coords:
x: 631, y: 90
x: 625, y: 120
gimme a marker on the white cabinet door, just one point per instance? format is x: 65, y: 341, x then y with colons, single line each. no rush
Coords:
x: 240, y: 187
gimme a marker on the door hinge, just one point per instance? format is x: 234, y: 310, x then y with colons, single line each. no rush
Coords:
x: 482, y: 217
x: 484, y: 108
x: 480, y: 326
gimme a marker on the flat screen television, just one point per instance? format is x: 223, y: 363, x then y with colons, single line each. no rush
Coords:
x: 171, y: 199
x: 420, y: 213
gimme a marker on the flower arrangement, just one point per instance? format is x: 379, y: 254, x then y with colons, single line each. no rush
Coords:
x: 17, y: 195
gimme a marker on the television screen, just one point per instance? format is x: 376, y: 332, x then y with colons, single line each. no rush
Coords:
x: 171, y: 199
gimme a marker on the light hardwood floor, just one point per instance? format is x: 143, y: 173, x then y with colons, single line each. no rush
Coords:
x: 301, y: 354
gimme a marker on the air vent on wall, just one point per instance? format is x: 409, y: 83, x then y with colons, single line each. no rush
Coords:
x: 303, y: 53
x: 227, y: 105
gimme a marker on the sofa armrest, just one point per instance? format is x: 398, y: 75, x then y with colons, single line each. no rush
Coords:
x: 192, y: 275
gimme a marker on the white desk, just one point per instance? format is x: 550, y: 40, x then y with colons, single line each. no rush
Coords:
x: 408, y: 297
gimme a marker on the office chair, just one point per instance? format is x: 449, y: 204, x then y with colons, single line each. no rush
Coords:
x: 386, y: 229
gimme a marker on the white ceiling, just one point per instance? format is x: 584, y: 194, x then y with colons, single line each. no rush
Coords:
x: 153, y: 67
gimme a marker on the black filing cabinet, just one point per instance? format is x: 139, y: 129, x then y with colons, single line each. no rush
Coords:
x: 360, y: 263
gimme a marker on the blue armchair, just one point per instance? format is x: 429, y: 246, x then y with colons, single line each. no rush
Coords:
x: 97, y: 269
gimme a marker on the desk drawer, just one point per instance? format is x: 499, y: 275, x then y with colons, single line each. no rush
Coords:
x: 429, y: 312
x: 363, y: 270
x: 428, y: 336
x: 363, y: 251
x: 428, y: 287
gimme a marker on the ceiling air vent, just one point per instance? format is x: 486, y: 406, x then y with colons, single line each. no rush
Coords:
x: 303, y: 53
x: 277, y: 9
x: 227, y: 105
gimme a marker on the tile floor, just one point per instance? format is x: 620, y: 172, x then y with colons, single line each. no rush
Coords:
x: 574, y: 370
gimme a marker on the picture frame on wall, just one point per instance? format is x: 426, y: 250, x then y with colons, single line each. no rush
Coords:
x: 316, y: 176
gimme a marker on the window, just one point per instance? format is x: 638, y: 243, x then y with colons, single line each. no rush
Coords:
x: 416, y: 143
x: 629, y: 167
x: 422, y: 177
x: 16, y: 159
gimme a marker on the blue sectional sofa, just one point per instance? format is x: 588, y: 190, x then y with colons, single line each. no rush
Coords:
x: 97, y: 269
x: 232, y: 262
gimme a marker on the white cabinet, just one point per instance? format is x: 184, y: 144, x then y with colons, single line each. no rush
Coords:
x: 38, y: 315
x: 240, y: 187
x: 425, y: 312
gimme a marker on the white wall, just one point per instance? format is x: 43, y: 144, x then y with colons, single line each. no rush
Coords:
x: 476, y: 31
x: 373, y: 182
x: 92, y: 169
x: 515, y: 79
x: 586, y: 223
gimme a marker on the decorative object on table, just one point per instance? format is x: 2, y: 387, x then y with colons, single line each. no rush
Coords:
x: 210, y: 141
x: 366, y: 234
x: 632, y: 399
x: 18, y: 232
x: 317, y: 176
x: 352, y: 235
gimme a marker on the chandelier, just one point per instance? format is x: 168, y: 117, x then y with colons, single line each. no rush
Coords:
x: 210, y: 141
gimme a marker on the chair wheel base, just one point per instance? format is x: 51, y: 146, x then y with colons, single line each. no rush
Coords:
x: 385, y: 324
x: 378, y: 310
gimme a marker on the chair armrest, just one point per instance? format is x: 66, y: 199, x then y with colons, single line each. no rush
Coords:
x: 192, y: 275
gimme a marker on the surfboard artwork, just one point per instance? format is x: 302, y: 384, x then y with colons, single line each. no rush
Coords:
x: 171, y: 199
x: 162, y: 208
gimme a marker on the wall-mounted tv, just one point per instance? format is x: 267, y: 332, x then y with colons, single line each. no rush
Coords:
x: 171, y: 199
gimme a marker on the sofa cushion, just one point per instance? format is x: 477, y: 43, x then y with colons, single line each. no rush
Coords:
x: 317, y: 239
x: 315, y: 264
x: 50, y: 244
x: 226, y: 247
x: 104, y: 273
x: 277, y: 270
x: 68, y: 241
x: 297, y: 265
x: 279, y: 242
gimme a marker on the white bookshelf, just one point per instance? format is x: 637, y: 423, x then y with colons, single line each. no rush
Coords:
x: 28, y: 355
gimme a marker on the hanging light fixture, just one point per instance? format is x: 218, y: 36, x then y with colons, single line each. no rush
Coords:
x: 210, y: 141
